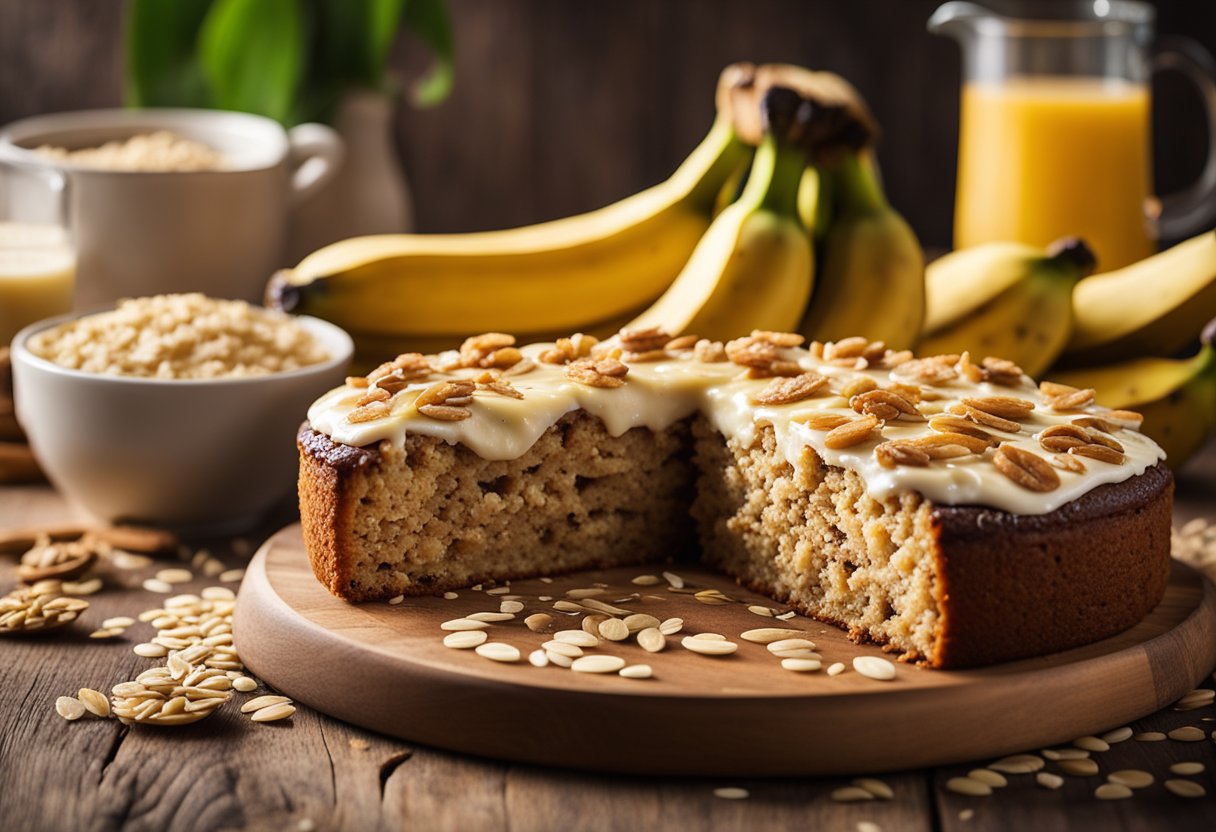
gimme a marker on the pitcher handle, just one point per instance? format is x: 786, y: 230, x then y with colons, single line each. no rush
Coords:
x: 1187, y: 212
x: 317, y: 152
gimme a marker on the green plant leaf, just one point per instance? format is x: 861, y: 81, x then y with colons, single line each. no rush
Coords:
x: 252, y: 55
x: 382, y: 21
x: 429, y: 20
x: 162, y: 53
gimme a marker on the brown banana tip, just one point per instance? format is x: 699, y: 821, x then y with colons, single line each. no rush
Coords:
x: 1076, y: 251
x: 281, y: 293
x: 736, y: 77
x: 1208, y: 336
x: 785, y: 113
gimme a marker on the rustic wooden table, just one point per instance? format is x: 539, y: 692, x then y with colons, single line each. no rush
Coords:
x: 313, y: 772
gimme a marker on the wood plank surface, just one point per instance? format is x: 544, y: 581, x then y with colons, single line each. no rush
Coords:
x: 314, y: 772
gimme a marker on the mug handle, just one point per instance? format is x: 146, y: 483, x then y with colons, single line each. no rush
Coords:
x: 1188, y: 211
x: 316, y: 154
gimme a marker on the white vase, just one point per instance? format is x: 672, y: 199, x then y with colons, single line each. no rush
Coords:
x: 369, y: 194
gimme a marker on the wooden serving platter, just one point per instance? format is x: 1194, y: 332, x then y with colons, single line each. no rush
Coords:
x: 384, y: 667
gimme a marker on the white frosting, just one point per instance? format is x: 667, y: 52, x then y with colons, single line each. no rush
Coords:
x: 657, y: 394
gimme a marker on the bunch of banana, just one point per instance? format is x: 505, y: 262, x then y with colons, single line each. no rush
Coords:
x: 870, y: 271
x: 1004, y: 299
x: 584, y: 273
x: 871, y: 276
x: 753, y: 269
x: 1176, y: 396
x: 1153, y: 307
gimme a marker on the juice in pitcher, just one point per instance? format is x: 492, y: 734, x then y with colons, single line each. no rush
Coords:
x: 1042, y: 158
x: 1056, y: 122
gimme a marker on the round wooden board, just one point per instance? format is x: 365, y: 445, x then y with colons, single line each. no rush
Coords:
x: 384, y: 667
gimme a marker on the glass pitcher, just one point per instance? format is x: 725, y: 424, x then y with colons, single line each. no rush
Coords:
x: 37, y: 258
x: 1055, y: 126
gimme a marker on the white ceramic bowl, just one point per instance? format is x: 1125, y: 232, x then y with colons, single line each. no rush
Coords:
x: 206, y: 455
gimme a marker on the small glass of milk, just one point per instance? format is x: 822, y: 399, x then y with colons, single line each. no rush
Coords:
x: 37, y: 258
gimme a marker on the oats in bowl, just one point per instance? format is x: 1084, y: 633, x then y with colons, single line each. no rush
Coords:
x: 175, y: 410
x: 181, y: 337
x: 159, y: 151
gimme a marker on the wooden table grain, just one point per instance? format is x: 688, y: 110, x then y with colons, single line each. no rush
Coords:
x: 316, y: 773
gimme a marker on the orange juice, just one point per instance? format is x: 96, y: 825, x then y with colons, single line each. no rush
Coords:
x: 1043, y: 158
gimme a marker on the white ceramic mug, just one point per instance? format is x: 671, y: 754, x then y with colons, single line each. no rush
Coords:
x: 221, y: 232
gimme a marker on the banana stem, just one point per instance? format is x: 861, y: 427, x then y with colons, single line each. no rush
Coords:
x: 712, y: 163
x: 856, y: 189
x: 775, y: 177
x: 1071, y: 257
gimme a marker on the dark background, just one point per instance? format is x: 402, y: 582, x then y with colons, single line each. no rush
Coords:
x: 564, y: 105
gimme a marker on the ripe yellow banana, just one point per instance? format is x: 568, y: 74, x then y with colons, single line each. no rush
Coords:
x: 1004, y: 299
x: 1176, y: 396
x: 1154, y: 307
x: 563, y: 275
x: 753, y: 269
x: 871, y: 272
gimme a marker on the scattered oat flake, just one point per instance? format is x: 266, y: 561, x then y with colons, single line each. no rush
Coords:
x: 598, y: 664
x: 709, y: 647
x: 1091, y: 744
x: 636, y: 671
x: 1187, y: 768
x: 768, y: 635
x: 732, y: 793
x: 359, y: 744
x: 232, y: 575
x: 175, y: 576
x: 465, y: 639
x: 1149, y: 736
x: 273, y: 713
x: 671, y: 626
x: 966, y: 815
x: 647, y: 580
x: 989, y: 777
x: 1185, y: 788
x: 836, y: 668
x: 674, y: 580
x: 395, y: 600
x: 968, y: 786
x: 1048, y: 780
x: 70, y: 708
x: 1079, y: 768
x: 498, y: 651
x: 1118, y: 735
x: 244, y: 684
x: 874, y: 667
x: 457, y: 624
x: 1133, y: 778
x: 1018, y: 764
x: 1112, y: 791
x: 1187, y: 733
x: 158, y: 586
x: 578, y: 638
x: 876, y: 787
